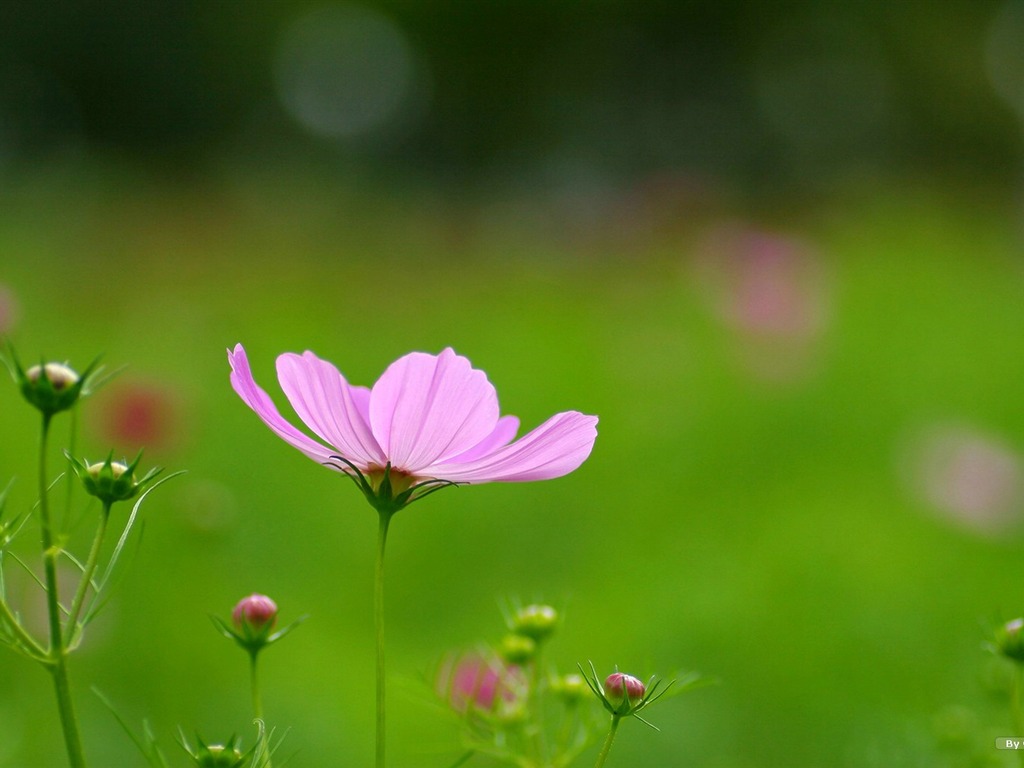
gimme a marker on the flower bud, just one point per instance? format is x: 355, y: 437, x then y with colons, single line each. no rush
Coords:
x: 517, y: 649
x: 570, y: 688
x: 111, y: 481
x: 226, y: 755
x: 51, y: 387
x: 59, y: 375
x: 623, y: 691
x: 536, y: 622
x: 1010, y: 640
x: 255, y: 615
x: 252, y: 623
x: 219, y: 756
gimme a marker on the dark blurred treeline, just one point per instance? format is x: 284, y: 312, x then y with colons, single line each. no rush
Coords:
x: 741, y: 89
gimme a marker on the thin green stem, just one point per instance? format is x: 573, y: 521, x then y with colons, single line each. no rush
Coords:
x: 69, y: 474
x: 57, y: 654
x: 257, y: 706
x: 537, y: 672
x: 608, y: 742
x: 257, y: 700
x: 378, y: 614
x: 49, y: 553
x: 71, y: 627
x: 65, y: 706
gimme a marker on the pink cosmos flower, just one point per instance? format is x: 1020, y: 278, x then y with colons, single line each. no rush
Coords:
x: 477, y: 681
x: 428, y: 418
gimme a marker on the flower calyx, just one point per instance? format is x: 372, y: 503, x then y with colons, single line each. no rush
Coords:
x: 226, y: 755
x: 111, y: 481
x: 387, y: 489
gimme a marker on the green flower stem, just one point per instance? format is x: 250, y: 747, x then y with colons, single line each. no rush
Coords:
x: 608, y: 742
x: 536, y: 742
x: 257, y: 699
x: 57, y: 655
x: 257, y: 706
x: 378, y: 614
x: 71, y: 627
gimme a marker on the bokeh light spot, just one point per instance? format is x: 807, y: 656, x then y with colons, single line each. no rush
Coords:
x: 345, y: 71
x: 969, y: 478
x: 1004, y: 55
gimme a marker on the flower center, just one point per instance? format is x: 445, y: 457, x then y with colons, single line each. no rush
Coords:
x: 400, y: 481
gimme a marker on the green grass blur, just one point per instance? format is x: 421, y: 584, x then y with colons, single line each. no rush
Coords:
x: 758, y: 528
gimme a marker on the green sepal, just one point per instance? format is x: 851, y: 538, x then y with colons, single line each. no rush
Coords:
x: 252, y: 640
x: 382, y: 495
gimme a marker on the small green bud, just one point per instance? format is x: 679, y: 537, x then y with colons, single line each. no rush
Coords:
x: 216, y: 755
x: 1010, y: 640
x: 517, y: 649
x: 570, y: 688
x: 60, y: 376
x: 536, y: 622
x: 219, y: 756
x: 52, y: 387
x: 110, y: 480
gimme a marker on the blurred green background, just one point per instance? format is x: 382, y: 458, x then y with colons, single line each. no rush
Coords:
x: 775, y: 247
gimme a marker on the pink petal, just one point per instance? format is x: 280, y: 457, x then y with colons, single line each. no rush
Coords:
x: 426, y: 408
x: 555, y: 448
x: 503, y: 434
x: 325, y: 403
x: 246, y: 387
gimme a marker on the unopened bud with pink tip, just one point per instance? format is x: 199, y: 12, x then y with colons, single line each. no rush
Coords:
x: 257, y: 613
x: 623, y: 691
x: 254, y: 618
x: 624, y: 695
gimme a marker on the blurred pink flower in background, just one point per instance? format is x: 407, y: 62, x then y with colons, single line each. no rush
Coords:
x: 966, y: 477
x: 134, y: 415
x: 769, y: 289
x: 478, y: 681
